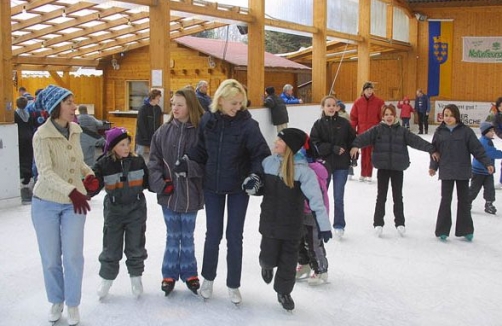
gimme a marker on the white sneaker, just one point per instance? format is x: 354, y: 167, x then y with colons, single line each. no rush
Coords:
x: 401, y: 230
x: 235, y: 295
x: 55, y: 312
x: 73, y: 316
x: 378, y: 230
x: 136, y: 286
x: 339, y: 233
x: 206, y: 290
x: 302, y: 271
x: 104, y: 288
x: 318, y: 279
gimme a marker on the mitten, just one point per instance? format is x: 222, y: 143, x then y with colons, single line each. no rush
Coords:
x: 169, y: 187
x: 181, y: 167
x: 325, y: 236
x: 91, y: 183
x: 79, y: 200
x: 252, y: 184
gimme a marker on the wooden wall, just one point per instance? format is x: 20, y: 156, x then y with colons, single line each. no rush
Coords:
x: 470, y: 81
x: 87, y: 89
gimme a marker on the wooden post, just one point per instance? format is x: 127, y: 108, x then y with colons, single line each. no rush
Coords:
x: 319, y: 88
x: 6, y: 106
x: 411, y: 76
x: 160, y: 41
x: 363, y: 48
x: 256, y: 52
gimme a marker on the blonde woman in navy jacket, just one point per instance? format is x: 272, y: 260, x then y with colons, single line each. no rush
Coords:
x: 231, y: 147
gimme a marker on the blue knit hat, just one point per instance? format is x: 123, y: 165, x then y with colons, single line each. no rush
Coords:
x: 485, y: 127
x: 114, y: 136
x: 50, y: 97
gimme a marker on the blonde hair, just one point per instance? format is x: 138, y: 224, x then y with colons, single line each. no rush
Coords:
x: 228, y: 88
x: 195, y: 110
x: 288, y: 167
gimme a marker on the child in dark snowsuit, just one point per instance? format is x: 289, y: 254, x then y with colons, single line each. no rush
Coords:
x: 124, y: 175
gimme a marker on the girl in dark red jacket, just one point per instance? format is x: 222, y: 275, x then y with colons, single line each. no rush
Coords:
x: 406, y: 110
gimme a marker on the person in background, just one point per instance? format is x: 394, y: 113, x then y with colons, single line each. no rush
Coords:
x: 480, y: 175
x: 59, y: 204
x: 231, y: 146
x: 456, y: 142
x: 390, y: 158
x: 406, y: 111
x: 90, y: 138
x: 202, y: 97
x: 288, y: 182
x: 148, y: 121
x: 288, y: 97
x: 333, y: 137
x: 278, y: 110
x: 22, y: 92
x: 25, y: 131
x: 366, y: 113
x: 178, y: 184
x: 497, y: 124
x: 422, y: 107
x: 124, y: 176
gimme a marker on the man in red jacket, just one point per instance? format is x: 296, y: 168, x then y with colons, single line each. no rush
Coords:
x: 366, y: 113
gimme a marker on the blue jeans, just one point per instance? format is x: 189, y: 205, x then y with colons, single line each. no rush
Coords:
x: 60, y: 236
x: 236, y: 214
x: 339, y: 181
x: 179, y: 256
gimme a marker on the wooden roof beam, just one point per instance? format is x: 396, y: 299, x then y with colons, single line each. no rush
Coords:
x: 191, y: 30
x: 208, y: 10
x: 31, y: 60
x: 69, y: 24
x: 28, y: 67
x: 290, y: 26
x: 120, y: 42
x: 29, y: 6
x: 108, y: 52
x: 149, y: 3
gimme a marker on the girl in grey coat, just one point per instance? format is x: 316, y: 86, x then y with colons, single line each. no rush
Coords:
x: 390, y: 143
x: 455, y: 143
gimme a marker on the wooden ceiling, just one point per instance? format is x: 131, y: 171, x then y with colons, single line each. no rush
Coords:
x: 66, y: 34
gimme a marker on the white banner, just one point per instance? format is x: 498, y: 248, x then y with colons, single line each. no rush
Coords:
x: 471, y: 113
x: 482, y: 49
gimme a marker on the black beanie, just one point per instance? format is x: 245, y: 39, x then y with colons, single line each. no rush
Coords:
x: 294, y: 138
x: 270, y: 90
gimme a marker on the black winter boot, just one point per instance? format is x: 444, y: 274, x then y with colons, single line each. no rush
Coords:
x: 267, y: 274
x: 286, y: 301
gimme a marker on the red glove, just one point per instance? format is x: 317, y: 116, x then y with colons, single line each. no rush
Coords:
x: 91, y: 183
x: 169, y: 187
x: 79, y: 200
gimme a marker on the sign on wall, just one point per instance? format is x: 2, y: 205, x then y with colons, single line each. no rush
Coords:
x: 471, y: 113
x: 482, y: 49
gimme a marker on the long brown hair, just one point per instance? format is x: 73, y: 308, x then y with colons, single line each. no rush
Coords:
x: 195, y: 110
x: 288, y: 168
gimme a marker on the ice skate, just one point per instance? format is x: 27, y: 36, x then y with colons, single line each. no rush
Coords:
x: 443, y: 237
x: 378, y: 231
x: 368, y: 180
x: 73, y: 316
x: 26, y: 195
x: 193, y: 284
x: 267, y: 274
x: 489, y: 208
x: 136, y: 286
x: 167, y: 285
x: 401, y: 230
x: 235, y: 295
x: 339, y: 232
x: 55, y: 312
x: 302, y: 271
x: 104, y: 288
x: 286, y: 301
x: 318, y: 279
x: 206, y: 290
x: 361, y: 179
x: 469, y: 237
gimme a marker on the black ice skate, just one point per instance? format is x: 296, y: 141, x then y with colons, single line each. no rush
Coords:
x: 286, y: 301
x: 193, y: 284
x: 267, y: 274
x: 489, y: 208
x: 167, y: 285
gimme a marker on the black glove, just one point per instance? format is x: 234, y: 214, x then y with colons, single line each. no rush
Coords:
x: 79, y: 200
x: 181, y: 167
x: 336, y: 149
x: 252, y: 184
x: 325, y: 236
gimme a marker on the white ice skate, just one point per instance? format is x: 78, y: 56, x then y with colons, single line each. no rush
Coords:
x: 401, y: 230
x: 104, y: 288
x: 73, y: 316
x: 55, y: 312
x: 302, y: 271
x: 378, y: 231
x: 206, y: 290
x: 235, y: 295
x: 136, y: 286
x: 318, y: 279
